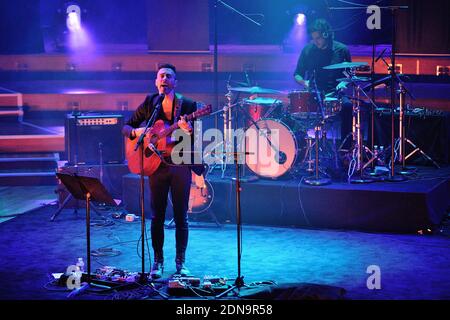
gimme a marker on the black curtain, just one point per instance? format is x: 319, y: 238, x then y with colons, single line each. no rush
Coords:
x: 424, y: 27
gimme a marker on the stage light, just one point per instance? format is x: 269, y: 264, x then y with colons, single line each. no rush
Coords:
x: 300, y: 19
x: 73, y: 20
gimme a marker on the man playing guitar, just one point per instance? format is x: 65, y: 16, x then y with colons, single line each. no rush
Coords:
x: 176, y: 178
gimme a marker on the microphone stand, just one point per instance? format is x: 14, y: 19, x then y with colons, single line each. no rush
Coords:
x: 392, y: 177
x: 216, y: 58
x: 140, y: 145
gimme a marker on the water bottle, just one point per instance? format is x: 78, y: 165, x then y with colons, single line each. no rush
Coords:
x: 80, y: 264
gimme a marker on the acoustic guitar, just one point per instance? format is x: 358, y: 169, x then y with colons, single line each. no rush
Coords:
x: 157, y: 136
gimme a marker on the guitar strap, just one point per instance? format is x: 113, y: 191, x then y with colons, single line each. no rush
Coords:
x: 178, y: 102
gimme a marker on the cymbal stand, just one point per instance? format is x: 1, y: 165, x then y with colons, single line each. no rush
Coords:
x: 316, y: 180
x: 394, y: 77
x: 403, y: 139
x: 227, y: 130
x: 308, y: 158
x: 358, y: 156
x: 225, y: 144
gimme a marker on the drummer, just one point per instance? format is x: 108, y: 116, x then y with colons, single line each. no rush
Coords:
x: 321, y: 52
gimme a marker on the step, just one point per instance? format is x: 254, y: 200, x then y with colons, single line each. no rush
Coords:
x: 32, y: 143
x: 28, y: 178
x: 27, y: 163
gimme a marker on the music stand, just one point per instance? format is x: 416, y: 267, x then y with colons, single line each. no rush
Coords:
x: 88, y: 189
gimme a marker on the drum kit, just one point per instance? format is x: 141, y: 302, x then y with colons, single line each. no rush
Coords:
x: 283, y: 129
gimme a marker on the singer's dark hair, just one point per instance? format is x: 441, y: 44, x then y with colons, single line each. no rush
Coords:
x: 167, y: 66
x: 322, y: 26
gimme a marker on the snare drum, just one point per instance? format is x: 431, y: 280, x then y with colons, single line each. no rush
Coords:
x: 302, y: 103
x: 261, y: 107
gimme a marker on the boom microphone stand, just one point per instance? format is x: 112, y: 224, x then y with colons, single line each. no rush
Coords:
x: 140, y: 145
x: 227, y: 111
x: 239, y: 282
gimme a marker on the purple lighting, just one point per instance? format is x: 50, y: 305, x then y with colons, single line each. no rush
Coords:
x: 300, y: 19
x: 73, y: 20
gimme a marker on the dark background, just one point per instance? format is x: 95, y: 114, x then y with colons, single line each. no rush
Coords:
x: 25, y: 25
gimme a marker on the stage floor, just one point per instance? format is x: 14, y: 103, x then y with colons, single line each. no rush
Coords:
x: 412, y: 266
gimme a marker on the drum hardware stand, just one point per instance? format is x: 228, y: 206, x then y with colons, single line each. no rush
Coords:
x: 227, y: 135
x: 308, y: 154
x: 392, y: 177
x: 310, y: 145
x: 239, y: 109
x: 358, y: 137
x: 393, y: 9
x: 402, y: 136
x: 374, y: 156
x: 316, y: 180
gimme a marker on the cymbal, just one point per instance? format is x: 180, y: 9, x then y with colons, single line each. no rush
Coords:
x: 354, y: 78
x: 254, y: 90
x: 262, y: 101
x: 345, y: 65
x: 384, y: 80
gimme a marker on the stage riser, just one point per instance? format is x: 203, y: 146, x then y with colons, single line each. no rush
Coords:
x: 277, y: 203
x: 31, y: 143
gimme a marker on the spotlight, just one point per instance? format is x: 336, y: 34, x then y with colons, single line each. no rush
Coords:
x: 300, y: 19
x: 73, y: 20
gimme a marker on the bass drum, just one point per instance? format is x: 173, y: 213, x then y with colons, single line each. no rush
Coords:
x: 271, y: 148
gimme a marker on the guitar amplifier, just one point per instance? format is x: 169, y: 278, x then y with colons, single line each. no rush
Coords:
x: 94, y: 139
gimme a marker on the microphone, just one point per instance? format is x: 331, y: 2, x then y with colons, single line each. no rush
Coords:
x: 160, y: 100
x: 380, y: 55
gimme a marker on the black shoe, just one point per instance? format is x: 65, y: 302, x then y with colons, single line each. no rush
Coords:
x: 182, y: 270
x: 157, y: 270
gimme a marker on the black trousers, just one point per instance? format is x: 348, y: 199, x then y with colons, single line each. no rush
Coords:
x: 177, y: 180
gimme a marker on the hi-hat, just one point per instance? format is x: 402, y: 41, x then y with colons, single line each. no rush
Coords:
x: 354, y: 79
x: 255, y: 90
x: 345, y: 65
x: 262, y: 101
